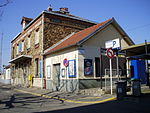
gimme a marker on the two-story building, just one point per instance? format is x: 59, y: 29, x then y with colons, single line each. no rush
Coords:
x: 37, y: 35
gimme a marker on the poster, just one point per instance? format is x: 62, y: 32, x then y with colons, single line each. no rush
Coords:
x: 72, y: 68
x: 88, y: 67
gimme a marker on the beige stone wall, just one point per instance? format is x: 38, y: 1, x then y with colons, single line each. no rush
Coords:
x: 35, y: 51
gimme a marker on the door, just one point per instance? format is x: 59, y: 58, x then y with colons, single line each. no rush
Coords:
x: 97, y: 67
x: 56, y: 77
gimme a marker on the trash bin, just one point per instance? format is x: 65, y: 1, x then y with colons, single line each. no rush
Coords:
x: 121, y: 89
x: 136, y: 87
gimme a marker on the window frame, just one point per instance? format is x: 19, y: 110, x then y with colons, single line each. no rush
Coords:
x: 37, y: 36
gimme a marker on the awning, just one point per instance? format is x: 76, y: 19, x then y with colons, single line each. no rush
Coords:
x: 138, y: 50
x: 20, y: 58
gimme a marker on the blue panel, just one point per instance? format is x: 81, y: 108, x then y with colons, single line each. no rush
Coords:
x: 41, y: 71
x: 138, y: 70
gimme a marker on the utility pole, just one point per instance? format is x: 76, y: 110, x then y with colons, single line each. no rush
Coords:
x: 1, y: 46
x: 147, y: 69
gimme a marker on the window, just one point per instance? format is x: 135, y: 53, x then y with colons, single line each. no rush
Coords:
x: 22, y: 46
x: 48, y: 71
x: 28, y: 42
x: 13, y: 52
x: 17, y: 49
x: 37, y: 36
x: 63, y: 73
x: 36, y: 67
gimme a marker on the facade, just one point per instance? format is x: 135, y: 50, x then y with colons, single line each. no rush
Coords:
x: 37, y: 35
x: 6, y: 75
x: 76, y: 63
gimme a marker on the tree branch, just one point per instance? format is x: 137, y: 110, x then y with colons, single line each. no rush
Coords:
x: 7, y: 2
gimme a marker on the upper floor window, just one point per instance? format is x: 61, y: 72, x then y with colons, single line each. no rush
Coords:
x: 28, y: 42
x: 37, y: 36
x: 20, y: 47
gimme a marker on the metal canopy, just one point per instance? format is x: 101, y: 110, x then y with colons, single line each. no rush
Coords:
x: 139, y: 51
x: 139, y: 57
x: 20, y: 58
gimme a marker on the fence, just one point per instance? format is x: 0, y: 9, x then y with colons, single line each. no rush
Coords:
x: 120, y: 75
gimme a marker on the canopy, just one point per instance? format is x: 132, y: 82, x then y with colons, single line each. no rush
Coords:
x: 20, y: 58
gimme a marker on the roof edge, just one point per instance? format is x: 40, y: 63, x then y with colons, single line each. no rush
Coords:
x: 75, y: 17
x: 97, y: 30
x: 125, y: 34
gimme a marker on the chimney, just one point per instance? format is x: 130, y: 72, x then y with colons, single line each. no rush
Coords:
x: 25, y: 21
x: 64, y: 10
x: 49, y: 8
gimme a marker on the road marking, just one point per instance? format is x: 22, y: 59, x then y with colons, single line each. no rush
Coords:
x: 67, y: 100
x: 88, y: 98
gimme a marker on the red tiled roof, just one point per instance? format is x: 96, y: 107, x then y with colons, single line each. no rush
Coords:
x: 74, y: 39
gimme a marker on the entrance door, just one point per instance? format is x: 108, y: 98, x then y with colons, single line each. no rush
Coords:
x: 56, y: 77
x: 97, y: 67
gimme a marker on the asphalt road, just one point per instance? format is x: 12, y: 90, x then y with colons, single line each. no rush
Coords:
x: 17, y: 102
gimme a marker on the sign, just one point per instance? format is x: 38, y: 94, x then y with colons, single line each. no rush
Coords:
x: 41, y: 68
x: 110, y: 53
x: 81, y: 51
x: 113, y: 43
x: 65, y: 62
x: 72, y: 68
x: 88, y: 67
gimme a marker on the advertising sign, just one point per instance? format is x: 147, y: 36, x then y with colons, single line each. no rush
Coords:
x: 88, y: 67
x: 72, y: 68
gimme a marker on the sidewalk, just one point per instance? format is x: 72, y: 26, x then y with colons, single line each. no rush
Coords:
x: 96, y: 104
x: 67, y: 97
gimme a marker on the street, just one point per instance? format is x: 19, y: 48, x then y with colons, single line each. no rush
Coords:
x: 13, y: 101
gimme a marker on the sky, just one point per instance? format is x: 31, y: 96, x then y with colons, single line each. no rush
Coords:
x: 132, y: 15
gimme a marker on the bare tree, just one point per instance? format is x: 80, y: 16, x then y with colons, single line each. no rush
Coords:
x: 6, y: 2
x: 3, y: 3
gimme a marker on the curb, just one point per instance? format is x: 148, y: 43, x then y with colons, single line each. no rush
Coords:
x: 67, y: 100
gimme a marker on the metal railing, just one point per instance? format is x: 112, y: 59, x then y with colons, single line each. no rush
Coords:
x: 116, y: 76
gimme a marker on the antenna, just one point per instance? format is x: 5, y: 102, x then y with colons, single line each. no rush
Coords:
x: 1, y: 46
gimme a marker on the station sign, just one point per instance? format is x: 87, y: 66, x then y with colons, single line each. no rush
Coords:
x: 114, y: 44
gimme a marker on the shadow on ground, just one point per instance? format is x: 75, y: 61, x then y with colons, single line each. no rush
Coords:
x: 130, y: 104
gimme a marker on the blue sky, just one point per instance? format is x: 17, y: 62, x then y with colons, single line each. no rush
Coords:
x: 132, y: 15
